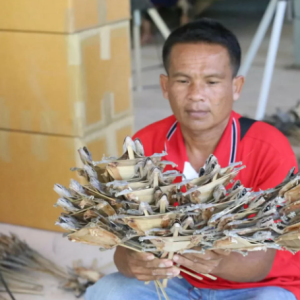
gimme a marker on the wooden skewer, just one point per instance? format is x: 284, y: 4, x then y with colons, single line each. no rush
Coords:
x: 130, y: 152
x: 157, y: 288
x: 163, y: 204
x: 189, y: 273
x: 155, y: 179
x: 215, y: 177
x: 209, y: 276
x: 171, y: 254
x: 141, y: 171
x: 162, y: 290
x: 189, y: 221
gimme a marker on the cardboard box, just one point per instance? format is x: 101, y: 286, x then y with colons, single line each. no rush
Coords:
x: 61, y: 16
x: 67, y: 85
x: 31, y: 164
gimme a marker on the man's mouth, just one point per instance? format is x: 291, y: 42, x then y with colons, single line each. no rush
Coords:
x: 197, y: 114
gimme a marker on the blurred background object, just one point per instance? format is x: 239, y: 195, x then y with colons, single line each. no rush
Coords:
x: 183, y: 11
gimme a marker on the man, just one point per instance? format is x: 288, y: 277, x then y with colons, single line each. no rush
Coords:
x: 201, y: 60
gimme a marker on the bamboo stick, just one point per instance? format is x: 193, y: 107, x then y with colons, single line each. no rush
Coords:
x: 22, y: 291
x: 155, y: 179
x: 15, y: 278
x: 171, y: 254
x: 187, y: 223
x: 130, y: 152
x: 209, y: 276
x: 162, y: 290
x: 163, y: 204
x: 12, y: 283
x: 189, y: 273
x: 157, y: 289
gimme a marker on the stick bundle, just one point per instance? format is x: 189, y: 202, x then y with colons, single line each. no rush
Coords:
x: 132, y: 201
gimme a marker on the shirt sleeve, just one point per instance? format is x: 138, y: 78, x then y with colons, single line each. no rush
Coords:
x: 275, y: 167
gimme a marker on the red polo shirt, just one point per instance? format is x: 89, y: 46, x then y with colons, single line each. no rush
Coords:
x: 268, y: 157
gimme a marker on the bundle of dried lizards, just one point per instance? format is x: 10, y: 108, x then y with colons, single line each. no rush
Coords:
x: 133, y: 202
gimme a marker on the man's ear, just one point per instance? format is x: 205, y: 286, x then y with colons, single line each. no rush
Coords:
x: 164, y: 79
x: 237, y: 85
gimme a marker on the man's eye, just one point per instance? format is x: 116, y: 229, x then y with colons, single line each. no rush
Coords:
x: 212, y: 82
x: 182, y: 81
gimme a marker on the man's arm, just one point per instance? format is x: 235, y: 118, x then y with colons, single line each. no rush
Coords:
x: 230, y: 266
x: 251, y: 268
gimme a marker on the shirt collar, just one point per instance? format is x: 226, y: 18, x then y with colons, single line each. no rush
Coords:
x: 225, y: 151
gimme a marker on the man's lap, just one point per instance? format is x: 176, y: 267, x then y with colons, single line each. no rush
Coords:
x: 118, y: 287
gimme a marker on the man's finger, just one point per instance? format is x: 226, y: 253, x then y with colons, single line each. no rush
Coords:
x: 142, y: 256
x: 196, y: 266
x: 154, y: 274
x: 141, y: 270
x: 159, y: 263
x: 170, y: 272
x: 151, y: 264
x: 149, y: 261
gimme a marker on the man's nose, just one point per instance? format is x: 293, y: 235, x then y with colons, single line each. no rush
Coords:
x: 197, y: 92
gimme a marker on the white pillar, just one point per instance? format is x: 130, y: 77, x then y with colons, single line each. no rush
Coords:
x: 137, y: 49
x: 297, y: 32
x: 159, y: 22
x: 271, y: 59
x: 259, y: 35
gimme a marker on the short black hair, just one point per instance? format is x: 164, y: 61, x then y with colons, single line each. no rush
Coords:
x: 208, y: 31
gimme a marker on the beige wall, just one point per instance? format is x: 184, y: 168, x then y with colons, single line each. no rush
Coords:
x: 64, y: 84
x: 59, y: 90
x: 30, y: 165
x: 61, y: 16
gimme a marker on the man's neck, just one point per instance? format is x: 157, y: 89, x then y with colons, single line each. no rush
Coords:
x: 199, y: 145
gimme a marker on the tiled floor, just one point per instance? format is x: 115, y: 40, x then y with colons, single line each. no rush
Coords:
x: 62, y: 252
x: 150, y: 106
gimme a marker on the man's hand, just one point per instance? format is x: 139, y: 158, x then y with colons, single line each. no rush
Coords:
x: 143, y: 266
x: 202, y: 263
x: 230, y: 265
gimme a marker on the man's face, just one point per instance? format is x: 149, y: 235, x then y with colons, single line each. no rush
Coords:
x: 200, y: 85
